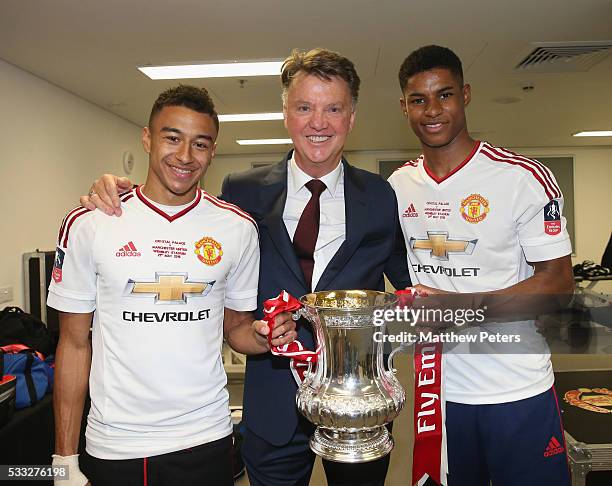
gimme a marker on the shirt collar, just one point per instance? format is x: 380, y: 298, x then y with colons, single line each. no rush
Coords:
x: 299, y: 178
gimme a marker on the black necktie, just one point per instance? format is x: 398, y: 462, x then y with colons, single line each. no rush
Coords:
x: 307, y: 231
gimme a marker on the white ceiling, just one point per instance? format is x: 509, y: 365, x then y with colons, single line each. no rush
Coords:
x: 91, y: 48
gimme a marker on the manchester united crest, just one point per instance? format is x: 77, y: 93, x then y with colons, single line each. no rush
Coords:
x: 208, y: 250
x: 598, y: 400
x: 474, y: 208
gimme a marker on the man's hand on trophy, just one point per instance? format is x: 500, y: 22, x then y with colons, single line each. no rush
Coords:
x: 443, y: 312
x: 428, y: 308
x: 425, y: 291
x: 283, y: 331
x: 432, y: 298
x: 104, y: 194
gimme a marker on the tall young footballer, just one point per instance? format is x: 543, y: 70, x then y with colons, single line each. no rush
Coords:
x: 164, y: 285
x: 479, y: 218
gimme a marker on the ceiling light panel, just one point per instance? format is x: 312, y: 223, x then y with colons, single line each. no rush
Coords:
x: 265, y: 141
x: 222, y: 70
x: 251, y: 117
x: 594, y: 133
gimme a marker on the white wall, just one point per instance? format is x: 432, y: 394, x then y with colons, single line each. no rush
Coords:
x: 592, y: 194
x: 52, y: 146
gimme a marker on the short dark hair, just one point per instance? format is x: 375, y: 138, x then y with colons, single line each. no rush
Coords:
x: 322, y: 63
x: 196, y: 99
x: 427, y: 58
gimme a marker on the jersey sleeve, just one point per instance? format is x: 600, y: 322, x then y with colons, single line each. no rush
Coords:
x: 241, y: 290
x: 540, y: 222
x: 74, y: 279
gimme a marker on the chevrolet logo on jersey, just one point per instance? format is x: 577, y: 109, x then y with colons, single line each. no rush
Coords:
x: 169, y: 288
x: 439, y: 245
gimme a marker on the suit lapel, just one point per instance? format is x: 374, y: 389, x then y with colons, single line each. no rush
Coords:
x: 273, y: 197
x: 356, y: 213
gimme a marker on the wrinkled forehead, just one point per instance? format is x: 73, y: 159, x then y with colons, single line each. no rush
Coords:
x: 306, y: 84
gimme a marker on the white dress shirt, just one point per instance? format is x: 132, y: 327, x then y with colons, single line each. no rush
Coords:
x: 332, y: 223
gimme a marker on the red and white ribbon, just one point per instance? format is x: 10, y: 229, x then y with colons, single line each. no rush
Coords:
x: 300, y: 357
x: 429, y: 455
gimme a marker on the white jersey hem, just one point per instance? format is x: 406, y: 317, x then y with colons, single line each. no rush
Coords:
x: 502, y: 397
x: 142, y: 448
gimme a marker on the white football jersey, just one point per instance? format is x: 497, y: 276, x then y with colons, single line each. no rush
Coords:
x: 158, y: 281
x: 474, y: 231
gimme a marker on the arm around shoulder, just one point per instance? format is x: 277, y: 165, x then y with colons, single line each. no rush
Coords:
x: 105, y: 194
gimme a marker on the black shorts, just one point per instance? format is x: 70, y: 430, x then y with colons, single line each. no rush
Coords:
x: 207, y: 464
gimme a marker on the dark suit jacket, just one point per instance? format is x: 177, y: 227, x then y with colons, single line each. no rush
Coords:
x: 374, y: 244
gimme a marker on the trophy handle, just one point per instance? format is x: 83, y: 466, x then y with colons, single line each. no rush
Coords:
x: 296, y: 315
x: 309, y: 371
x: 391, y: 369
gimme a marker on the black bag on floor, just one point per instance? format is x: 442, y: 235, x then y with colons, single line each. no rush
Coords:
x: 19, y: 327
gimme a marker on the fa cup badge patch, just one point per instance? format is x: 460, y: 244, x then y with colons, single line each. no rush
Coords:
x: 552, y: 218
x: 58, y: 264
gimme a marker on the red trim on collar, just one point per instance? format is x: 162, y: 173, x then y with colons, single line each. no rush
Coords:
x: 161, y: 213
x: 461, y: 165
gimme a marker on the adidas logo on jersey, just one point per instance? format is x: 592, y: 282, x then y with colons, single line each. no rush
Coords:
x: 128, y: 250
x: 553, y: 448
x: 411, y: 212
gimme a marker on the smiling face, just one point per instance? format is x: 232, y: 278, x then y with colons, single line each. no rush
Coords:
x: 434, y: 102
x: 318, y: 116
x: 181, y: 144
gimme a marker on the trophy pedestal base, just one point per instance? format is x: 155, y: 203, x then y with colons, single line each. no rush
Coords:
x: 351, y: 447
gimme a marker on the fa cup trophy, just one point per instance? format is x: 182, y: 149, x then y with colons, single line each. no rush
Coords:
x: 349, y: 395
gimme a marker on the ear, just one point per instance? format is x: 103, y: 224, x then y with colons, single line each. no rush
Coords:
x: 352, y: 120
x: 213, y: 152
x: 404, y: 106
x: 467, y: 94
x: 285, y: 115
x: 146, y: 139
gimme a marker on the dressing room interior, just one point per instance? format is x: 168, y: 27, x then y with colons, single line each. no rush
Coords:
x: 76, y: 92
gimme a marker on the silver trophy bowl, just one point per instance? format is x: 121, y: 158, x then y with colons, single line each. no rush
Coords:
x: 348, y: 394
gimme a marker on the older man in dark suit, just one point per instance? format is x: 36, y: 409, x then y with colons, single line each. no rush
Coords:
x: 355, y: 244
x: 323, y: 224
